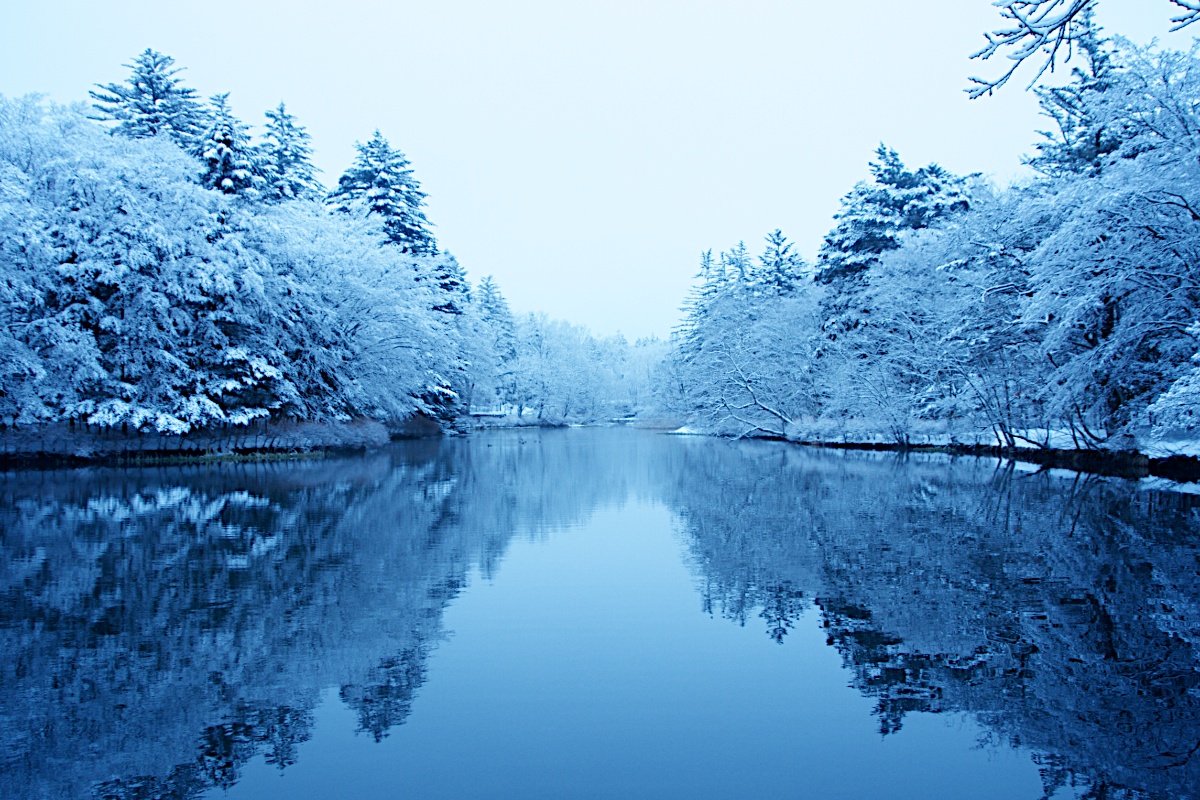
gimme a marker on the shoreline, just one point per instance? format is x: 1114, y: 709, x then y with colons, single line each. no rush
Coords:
x: 217, y: 449
x: 1115, y: 464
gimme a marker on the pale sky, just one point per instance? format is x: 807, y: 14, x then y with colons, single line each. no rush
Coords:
x: 585, y: 153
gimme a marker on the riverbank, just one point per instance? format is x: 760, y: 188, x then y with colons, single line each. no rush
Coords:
x: 57, y: 446
x: 79, y: 445
x: 1132, y: 465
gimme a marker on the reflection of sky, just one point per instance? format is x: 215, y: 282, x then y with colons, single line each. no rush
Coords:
x: 585, y: 153
x: 585, y: 668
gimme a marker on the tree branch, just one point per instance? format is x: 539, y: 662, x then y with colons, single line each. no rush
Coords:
x: 1045, y: 26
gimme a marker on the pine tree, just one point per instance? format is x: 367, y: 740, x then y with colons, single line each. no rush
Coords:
x: 1083, y: 137
x: 451, y: 281
x: 381, y: 181
x: 286, y: 158
x: 711, y: 278
x: 876, y: 213
x: 780, y: 270
x: 152, y: 101
x: 230, y: 162
x: 737, y: 267
x: 495, y: 312
x: 873, y: 219
x: 499, y: 330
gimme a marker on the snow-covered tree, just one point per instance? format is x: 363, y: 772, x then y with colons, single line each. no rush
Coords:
x: 151, y: 102
x: 133, y: 297
x: 450, y: 281
x: 780, y: 269
x: 873, y: 219
x: 229, y: 162
x: 286, y: 158
x: 1083, y: 135
x: 381, y: 182
x: 563, y: 373
x: 1051, y: 28
x: 491, y: 346
x: 876, y: 213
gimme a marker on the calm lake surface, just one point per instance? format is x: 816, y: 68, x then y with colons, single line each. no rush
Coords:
x: 597, y: 613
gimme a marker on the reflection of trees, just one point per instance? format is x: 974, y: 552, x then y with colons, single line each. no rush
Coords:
x: 1062, y: 612
x: 166, y: 625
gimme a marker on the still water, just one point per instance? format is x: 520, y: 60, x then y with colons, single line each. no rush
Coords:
x: 597, y: 613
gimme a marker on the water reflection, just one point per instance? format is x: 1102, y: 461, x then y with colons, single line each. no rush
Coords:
x: 162, y: 627
x: 1061, y: 612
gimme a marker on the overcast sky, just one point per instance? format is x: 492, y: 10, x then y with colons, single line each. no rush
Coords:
x: 585, y: 153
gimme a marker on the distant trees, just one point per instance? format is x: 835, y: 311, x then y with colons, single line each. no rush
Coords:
x: 563, y: 373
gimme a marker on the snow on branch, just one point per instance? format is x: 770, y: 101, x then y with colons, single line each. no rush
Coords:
x: 1046, y: 27
x: 1192, y: 9
x: 1038, y: 26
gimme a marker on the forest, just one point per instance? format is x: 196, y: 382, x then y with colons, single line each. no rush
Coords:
x: 166, y: 272
x: 1057, y: 312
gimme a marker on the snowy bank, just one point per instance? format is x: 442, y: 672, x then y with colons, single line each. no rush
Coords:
x: 61, y: 441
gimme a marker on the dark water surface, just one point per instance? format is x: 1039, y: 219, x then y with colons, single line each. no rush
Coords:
x: 597, y: 613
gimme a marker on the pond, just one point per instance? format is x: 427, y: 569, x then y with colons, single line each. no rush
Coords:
x: 598, y: 613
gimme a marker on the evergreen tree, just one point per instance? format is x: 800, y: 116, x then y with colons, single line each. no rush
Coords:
x: 491, y: 346
x: 873, y: 218
x: 875, y: 214
x: 231, y: 164
x: 496, y: 313
x: 711, y: 284
x: 286, y: 158
x: 381, y: 181
x: 780, y: 270
x: 738, y: 267
x: 1084, y: 137
x: 152, y: 101
x: 451, y: 282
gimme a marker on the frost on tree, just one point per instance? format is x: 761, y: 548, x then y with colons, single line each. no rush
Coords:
x: 381, y: 182
x: 151, y: 102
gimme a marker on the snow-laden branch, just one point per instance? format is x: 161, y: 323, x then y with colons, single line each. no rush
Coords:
x: 1037, y: 26
x: 1192, y: 13
x: 1046, y: 27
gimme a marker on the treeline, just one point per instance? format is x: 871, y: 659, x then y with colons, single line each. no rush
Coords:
x: 1061, y: 312
x: 162, y: 269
